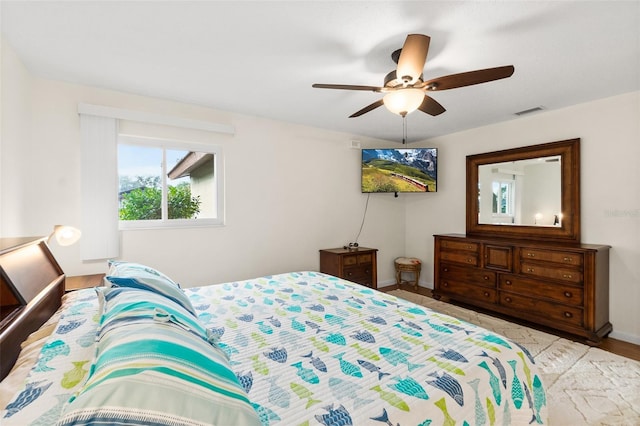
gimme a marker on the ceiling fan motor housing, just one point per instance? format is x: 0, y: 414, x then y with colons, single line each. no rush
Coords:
x: 391, y: 80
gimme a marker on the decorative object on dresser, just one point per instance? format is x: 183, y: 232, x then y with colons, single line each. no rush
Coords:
x: 533, y: 271
x: 354, y: 264
x: 410, y: 265
x: 31, y: 285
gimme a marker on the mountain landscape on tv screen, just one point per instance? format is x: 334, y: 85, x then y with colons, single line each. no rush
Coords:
x: 399, y: 170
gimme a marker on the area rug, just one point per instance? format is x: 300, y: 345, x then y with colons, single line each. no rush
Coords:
x: 585, y: 385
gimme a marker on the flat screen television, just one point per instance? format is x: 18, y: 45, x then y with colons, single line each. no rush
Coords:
x: 399, y: 170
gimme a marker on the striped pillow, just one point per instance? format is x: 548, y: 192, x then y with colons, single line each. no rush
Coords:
x: 154, y: 365
x: 121, y: 268
x: 135, y: 275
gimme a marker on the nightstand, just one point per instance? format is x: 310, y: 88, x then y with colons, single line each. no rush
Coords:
x: 82, y: 281
x: 357, y: 265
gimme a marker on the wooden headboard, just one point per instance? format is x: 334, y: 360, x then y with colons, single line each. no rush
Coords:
x: 31, y: 290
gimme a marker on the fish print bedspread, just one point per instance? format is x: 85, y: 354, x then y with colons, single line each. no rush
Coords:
x: 312, y: 349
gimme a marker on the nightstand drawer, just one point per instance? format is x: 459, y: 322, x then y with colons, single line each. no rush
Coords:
x: 350, y: 260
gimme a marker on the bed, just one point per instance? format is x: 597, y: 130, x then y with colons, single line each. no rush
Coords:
x: 299, y: 348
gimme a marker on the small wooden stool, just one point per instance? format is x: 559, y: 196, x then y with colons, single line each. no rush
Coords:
x: 408, y: 264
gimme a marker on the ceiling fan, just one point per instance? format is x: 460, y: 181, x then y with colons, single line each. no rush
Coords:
x: 404, y: 88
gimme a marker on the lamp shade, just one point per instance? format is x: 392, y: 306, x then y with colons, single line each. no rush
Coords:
x: 65, y: 235
x: 403, y: 101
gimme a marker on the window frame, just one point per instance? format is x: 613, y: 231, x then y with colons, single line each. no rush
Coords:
x: 173, y: 144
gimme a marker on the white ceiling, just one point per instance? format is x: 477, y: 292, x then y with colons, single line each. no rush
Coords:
x: 260, y: 58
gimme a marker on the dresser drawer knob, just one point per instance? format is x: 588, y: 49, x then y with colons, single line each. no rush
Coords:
x: 568, y: 294
x: 531, y: 255
x: 445, y: 284
x: 529, y: 269
x: 568, y: 315
x: 445, y: 269
x: 486, y: 294
x: 507, y: 299
x: 469, y: 247
x: 486, y: 278
x: 508, y: 282
x: 567, y: 259
x: 469, y: 260
x: 566, y: 276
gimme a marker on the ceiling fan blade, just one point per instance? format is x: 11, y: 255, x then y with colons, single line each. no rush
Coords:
x: 469, y: 78
x: 368, y: 108
x: 431, y: 106
x: 346, y: 87
x: 413, y: 57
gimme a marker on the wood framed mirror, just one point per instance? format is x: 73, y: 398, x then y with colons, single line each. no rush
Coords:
x: 531, y: 192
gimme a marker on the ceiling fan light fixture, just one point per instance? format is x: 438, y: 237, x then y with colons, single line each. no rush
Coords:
x: 403, y: 101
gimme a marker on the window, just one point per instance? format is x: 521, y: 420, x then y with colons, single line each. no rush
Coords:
x: 166, y: 183
x: 503, y: 198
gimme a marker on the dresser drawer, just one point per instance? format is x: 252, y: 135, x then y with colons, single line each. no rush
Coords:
x: 459, y: 245
x: 463, y: 258
x: 562, y: 257
x: 547, y: 271
x: 541, y: 289
x: 468, y: 291
x: 468, y: 275
x: 549, y: 311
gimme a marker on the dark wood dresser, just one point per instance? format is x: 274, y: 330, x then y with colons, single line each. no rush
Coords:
x: 564, y: 286
x: 357, y: 265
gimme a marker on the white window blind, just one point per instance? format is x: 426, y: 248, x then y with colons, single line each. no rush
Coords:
x: 99, y: 188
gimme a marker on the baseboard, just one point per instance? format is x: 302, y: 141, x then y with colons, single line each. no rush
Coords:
x: 392, y: 283
x: 626, y: 337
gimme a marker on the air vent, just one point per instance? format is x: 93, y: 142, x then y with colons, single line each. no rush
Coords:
x: 530, y: 110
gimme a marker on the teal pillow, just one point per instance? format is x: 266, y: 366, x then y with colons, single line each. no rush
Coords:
x: 154, y: 365
x: 135, y: 275
x: 120, y: 268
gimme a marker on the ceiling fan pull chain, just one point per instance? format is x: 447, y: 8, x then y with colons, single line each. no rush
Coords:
x: 404, y: 129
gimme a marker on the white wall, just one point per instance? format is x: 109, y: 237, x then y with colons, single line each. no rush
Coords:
x: 609, y: 130
x: 290, y: 190
x: 15, y: 85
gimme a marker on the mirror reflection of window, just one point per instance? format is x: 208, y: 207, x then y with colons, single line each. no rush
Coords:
x: 503, y: 198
